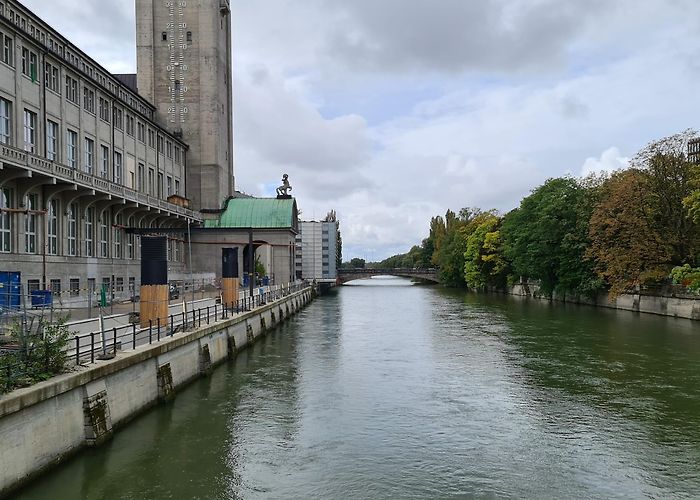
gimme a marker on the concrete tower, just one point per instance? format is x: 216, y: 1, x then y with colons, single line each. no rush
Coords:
x: 184, y: 68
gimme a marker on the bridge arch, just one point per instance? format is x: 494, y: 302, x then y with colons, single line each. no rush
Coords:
x: 345, y: 275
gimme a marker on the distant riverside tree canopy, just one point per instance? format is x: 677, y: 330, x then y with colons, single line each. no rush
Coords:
x: 612, y: 232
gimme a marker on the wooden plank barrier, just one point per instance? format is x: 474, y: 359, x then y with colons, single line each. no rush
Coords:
x: 230, y: 290
x: 154, y: 305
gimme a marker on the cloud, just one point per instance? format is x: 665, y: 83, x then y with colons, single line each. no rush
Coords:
x: 393, y: 111
x: 453, y: 35
x: 609, y: 161
x: 105, y: 30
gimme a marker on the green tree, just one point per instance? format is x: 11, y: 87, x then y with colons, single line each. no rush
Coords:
x: 485, y: 265
x: 357, y: 263
x: 546, y: 237
x: 259, y: 267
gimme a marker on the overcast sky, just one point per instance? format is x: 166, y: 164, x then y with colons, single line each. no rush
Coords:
x: 392, y: 111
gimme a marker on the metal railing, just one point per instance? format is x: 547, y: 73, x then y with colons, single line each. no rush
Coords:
x: 88, y: 348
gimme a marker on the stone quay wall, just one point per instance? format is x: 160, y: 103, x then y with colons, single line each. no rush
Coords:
x: 42, y: 425
x: 661, y: 304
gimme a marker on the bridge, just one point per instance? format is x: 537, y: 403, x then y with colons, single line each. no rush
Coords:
x: 345, y: 275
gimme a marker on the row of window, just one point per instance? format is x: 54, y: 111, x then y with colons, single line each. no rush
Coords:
x: 74, y: 286
x: 29, y: 68
x: 63, y: 50
x: 73, y: 233
x: 73, y: 150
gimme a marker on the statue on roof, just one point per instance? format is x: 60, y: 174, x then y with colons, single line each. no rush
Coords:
x: 283, y: 190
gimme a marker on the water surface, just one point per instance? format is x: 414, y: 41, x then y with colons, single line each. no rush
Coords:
x: 389, y: 390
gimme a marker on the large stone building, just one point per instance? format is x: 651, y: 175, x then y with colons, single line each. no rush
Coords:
x: 82, y: 156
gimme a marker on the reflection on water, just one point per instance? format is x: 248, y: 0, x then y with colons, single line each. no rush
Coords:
x: 384, y: 389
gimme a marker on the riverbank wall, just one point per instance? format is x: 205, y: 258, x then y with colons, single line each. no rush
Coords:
x: 642, y: 301
x: 42, y: 425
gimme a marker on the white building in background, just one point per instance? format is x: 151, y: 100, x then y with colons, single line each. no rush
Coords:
x: 316, y: 250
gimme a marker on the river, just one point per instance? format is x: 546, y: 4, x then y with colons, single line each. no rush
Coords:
x: 390, y: 390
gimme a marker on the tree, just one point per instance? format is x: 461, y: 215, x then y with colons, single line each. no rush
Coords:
x: 671, y: 183
x: 546, y: 237
x: 259, y: 267
x: 485, y: 265
x: 625, y: 243
x: 357, y: 263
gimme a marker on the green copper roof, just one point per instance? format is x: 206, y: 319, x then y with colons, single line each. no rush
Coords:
x: 262, y: 213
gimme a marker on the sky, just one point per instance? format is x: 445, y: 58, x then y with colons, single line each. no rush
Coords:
x: 392, y: 111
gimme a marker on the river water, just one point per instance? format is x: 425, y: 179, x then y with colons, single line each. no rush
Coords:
x: 390, y: 390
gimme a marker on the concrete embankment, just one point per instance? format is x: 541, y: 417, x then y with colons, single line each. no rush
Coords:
x: 664, y: 305
x: 43, y: 424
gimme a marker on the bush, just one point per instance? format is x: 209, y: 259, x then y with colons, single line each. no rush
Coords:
x: 686, y: 276
x: 38, y: 358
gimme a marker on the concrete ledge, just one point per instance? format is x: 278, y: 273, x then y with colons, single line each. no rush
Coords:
x: 77, y: 409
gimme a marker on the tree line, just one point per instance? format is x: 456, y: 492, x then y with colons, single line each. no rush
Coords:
x: 607, y: 232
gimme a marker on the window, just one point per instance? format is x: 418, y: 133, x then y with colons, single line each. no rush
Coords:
x: 160, y: 185
x: 164, y: 36
x: 91, y: 285
x: 89, y: 155
x: 169, y: 149
x: 130, y: 125
x: 118, y: 118
x: 177, y: 187
x: 72, y: 89
x: 89, y: 99
x: 141, y: 178
x: 132, y: 286
x: 117, y: 168
x: 141, y: 132
x: 29, y: 63
x: 189, y: 36
x: 51, y: 140
x: 177, y: 155
x: 32, y: 286
x: 8, y: 50
x: 103, y: 237
x: 104, y: 109
x: 74, y: 287
x: 169, y: 182
x: 72, y: 149
x: 55, y: 286
x: 5, y: 121
x: 29, y: 131
x: 52, y: 228
x: 51, y: 77
x: 151, y: 181
x: 161, y: 147
x: 72, y: 213
x: 89, y: 232
x: 117, y: 236
x: 130, y: 238
x: 104, y: 161
x: 151, y: 138
x: 30, y: 203
x: 119, y: 287
x: 5, y: 221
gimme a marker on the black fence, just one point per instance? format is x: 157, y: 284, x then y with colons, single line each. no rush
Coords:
x: 88, y: 348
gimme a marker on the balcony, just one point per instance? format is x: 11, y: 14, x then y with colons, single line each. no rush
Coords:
x: 39, y: 165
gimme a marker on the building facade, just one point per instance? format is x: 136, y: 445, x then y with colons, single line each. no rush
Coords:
x: 184, y: 68
x: 316, y: 249
x: 82, y: 157
x: 271, y: 224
